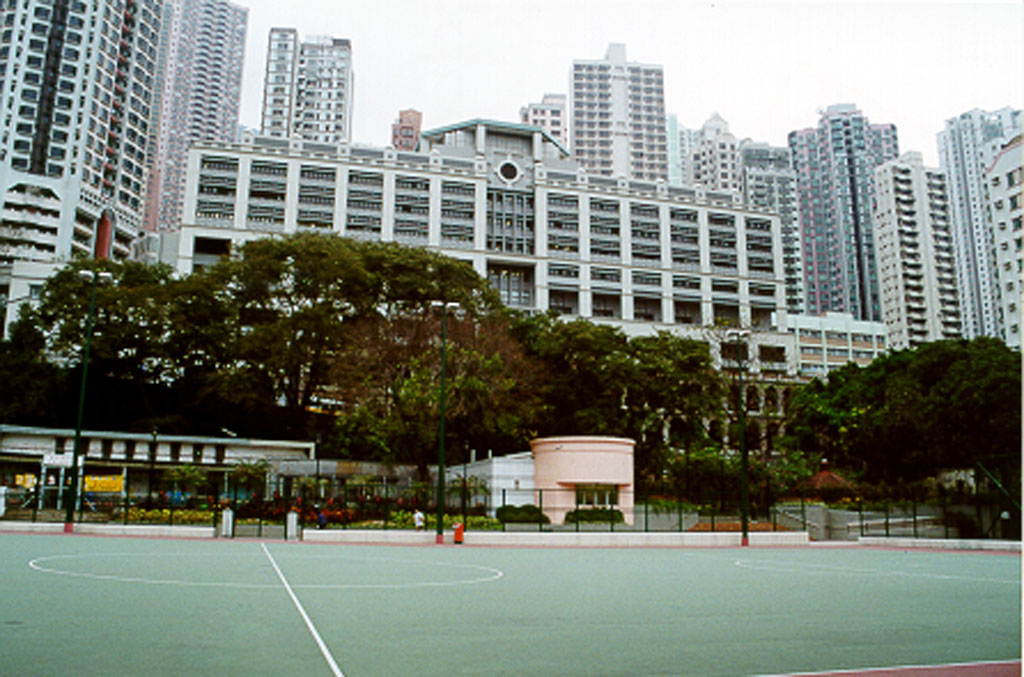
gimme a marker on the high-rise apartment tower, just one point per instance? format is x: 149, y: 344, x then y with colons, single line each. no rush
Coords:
x: 618, y: 117
x: 202, y: 52
x: 967, y: 146
x: 551, y: 115
x: 716, y: 157
x: 1003, y: 179
x: 307, y: 89
x: 681, y: 142
x: 76, y: 88
x: 835, y: 166
x: 913, y: 237
x: 769, y: 182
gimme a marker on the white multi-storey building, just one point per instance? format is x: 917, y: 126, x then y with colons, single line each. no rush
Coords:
x: 551, y: 115
x: 716, y: 157
x: 307, y: 89
x: 769, y: 182
x: 76, y: 90
x: 618, y: 117
x: 967, y: 146
x: 914, y: 253
x: 203, y: 48
x: 831, y: 340
x: 508, y: 199
x: 1003, y: 182
x: 681, y: 142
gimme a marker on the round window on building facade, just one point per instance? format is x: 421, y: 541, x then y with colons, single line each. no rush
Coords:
x: 508, y: 171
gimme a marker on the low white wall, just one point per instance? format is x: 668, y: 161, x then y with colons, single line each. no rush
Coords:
x: 179, y: 531
x: 34, y: 527
x: 621, y: 539
x: 401, y: 536
x: 941, y: 543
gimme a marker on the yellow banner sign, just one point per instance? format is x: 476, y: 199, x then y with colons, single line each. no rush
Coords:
x: 27, y: 481
x: 104, y: 483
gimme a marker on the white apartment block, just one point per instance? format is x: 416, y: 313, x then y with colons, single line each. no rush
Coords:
x: 509, y: 200
x: 618, y: 117
x: 681, y: 142
x: 551, y: 115
x: 1003, y: 182
x: 827, y: 342
x: 914, y: 253
x: 73, y: 134
x: 716, y: 157
x: 202, y: 52
x: 967, y: 146
x: 769, y: 182
x: 307, y: 89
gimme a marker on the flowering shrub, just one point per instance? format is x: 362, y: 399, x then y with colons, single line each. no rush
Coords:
x: 404, y: 520
x: 163, y: 516
x: 736, y: 526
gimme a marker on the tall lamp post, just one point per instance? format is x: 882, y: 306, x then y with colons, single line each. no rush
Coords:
x: 440, y: 439
x: 94, y: 279
x: 738, y: 338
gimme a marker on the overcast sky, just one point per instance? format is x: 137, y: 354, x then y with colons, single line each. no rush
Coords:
x: 766, y: 67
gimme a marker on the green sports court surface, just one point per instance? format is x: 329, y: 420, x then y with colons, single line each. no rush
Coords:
x: 80, y: 605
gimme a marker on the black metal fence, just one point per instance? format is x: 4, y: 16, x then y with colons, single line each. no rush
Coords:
x: 838, y: 515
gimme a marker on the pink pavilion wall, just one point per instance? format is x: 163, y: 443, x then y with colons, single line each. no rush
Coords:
x: 560, y: 463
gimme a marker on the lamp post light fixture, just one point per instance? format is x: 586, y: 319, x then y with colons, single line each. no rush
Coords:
x: 444, y: 306
x: 94, y: 278
x: 739, y: 337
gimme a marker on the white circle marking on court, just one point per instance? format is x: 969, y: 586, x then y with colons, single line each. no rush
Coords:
x: 485, y: 574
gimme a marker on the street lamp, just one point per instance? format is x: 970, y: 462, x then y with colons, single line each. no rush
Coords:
x: 444, y: 306
x: 739, y: 337
x: 94, y: 279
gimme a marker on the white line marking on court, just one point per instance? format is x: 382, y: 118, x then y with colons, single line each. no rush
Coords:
x: 828, y: 569
x: 492, y: 574
x: 305, y: 617
x: 897, y: 668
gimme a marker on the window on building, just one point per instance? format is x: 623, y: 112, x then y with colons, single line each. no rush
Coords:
x: 597, y: 495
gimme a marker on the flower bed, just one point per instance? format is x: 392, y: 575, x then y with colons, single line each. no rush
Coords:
x: 736, y: 526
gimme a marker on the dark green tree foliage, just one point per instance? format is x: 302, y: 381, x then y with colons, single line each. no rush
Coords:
x: 913, y: 413
x: 673, y: 390
x: 249, y: 344
x: 289, y: 300
x: 387, y: 376
x: 129, y: 364
x: 30, y: 385
x: 587, y: 370
x: 658, y: 390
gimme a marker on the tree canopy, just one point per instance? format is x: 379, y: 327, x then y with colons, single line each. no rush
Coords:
x: 319, y: 337
x: 913, y: 413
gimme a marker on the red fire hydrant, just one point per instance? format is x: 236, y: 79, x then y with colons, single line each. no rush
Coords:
x: 459, y: 531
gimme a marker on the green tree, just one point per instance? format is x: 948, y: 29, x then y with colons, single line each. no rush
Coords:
x: 187, y: 477
x: 30, y: 385
x: 289, y: 299
x: 251, y: 475
x: 912, y: 413
x: 387, y: 378
x: 673, y: 389
x: 587, y: 370
x: 129, y: 366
